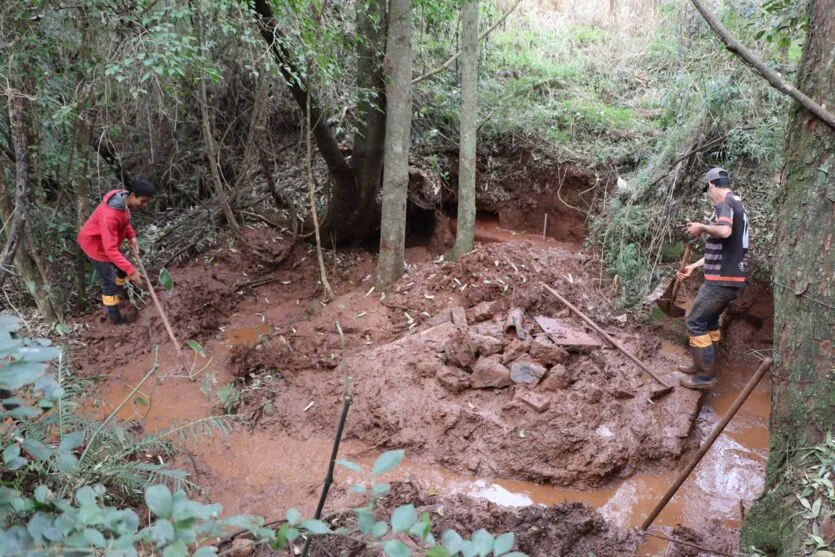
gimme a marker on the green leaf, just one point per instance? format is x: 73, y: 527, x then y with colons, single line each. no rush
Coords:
x: 16, y: 463
x: 165, y: 280
x: 209, y: 551
x: 381, y: 489
x: 66, y: 462
x: 42, y: 494
x: 352, y: 466
x: 503, y: 544
x: 315, y: 526
x: 816, y: 508
x: 94, y: 537
x: 196, y: 347
x: 468, y: 549
x: 379, y: 529
x: 403, y: 518
x: 37, y: 449
x: 483, y: 541
x: 158, y: 498
x: 293, y: 533
x: 10, y: 453
x: 365, y: 520
x: 452, y: 541
x: 28, y: 411
x: 438, y: 551
x: 396, y: 548
x: 516, y: 554
x: 293, y: 517
x: 71, y: 441
x: 361, y: 489
x: 387, y: 462
x: 163, y: 532
x: 176, y: 549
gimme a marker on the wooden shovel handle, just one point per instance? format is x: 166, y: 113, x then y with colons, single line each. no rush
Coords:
x: 168, y: 328
x: 604, y: 334
x: 684, y: 261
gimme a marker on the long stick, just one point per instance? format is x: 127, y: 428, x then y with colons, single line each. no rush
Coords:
x: 605, y: 335
x: 183, y: 359
x: 740, y: 400
x: 346, y: 404
x: 754, y: 62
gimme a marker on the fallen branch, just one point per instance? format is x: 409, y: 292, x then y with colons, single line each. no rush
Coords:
x: 455, y: 56
x: 754, y: 62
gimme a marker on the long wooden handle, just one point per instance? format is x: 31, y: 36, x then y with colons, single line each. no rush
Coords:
x: 684, y: 261
x: 604, y: 334
x: 740, y: 400
x: 168, y: 328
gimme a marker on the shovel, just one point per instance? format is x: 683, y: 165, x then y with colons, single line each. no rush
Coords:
x: 667, y: 302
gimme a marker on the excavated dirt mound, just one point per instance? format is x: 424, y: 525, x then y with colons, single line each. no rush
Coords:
x: 570, y: 529
x: 456, y: 389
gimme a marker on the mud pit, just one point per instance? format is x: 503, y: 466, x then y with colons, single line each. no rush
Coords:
x: 413, y: 388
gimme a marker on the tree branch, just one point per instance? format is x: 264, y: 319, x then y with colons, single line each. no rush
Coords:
x: 455, y: 56
x: 754, y: 62
x: 15, y: 232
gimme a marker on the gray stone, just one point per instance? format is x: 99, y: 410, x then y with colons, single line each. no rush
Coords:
x: 484, y: 345
x: 546, y: 351
x: 526, y: 371
x: 490, y: 373
x: 537, y: 401
x: 453, y: 379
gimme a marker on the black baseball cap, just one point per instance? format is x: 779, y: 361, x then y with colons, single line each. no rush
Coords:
x: 718, y: 176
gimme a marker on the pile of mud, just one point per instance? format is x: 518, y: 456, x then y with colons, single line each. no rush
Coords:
x: 570, y: 529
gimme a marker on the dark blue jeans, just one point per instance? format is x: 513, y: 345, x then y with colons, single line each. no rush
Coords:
x: 112, y: 281
x: 710, y: 302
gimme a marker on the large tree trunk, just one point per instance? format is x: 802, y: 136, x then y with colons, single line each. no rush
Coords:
x: 802, y: 403
x: 347, y: 193
x: 17, y: 222
x: 367, y: 156
x: 398, y: 67
x: 469, y: 112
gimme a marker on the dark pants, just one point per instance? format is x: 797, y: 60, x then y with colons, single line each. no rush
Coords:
x: 113, y: 281
x: 711, y: 301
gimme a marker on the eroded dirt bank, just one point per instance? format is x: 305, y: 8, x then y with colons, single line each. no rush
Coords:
x: 463, y: 396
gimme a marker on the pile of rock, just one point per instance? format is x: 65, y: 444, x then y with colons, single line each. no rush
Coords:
x: 485, y: 348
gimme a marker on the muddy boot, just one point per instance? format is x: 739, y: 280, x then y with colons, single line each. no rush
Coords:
x: 704, y: 363
x: 128, y: 311
x: 115, y: 315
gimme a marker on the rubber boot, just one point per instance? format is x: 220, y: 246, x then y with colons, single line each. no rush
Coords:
x: 115, y: 315
x: 692, y: 368
x: 704, y: 360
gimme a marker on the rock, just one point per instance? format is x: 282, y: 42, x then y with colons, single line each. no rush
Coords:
x: 459, y: 317
x: 558, y: 378
x: 458, y: 349
x: 514, y: 324
x: 538, y: 402
x: 484, y: 345
x: 592, y: 393
x: 453, y: 379
x: 481, y: 312
x: 491, y: 329
x: 241, y: 547
x: 313, y: 308
x: 526, y: 371
x: 563, y: 314
x: 515, y: 349
x: 436, y: 337
x: 490, y: 373
x: 546, y: 351
x: 622, y: 393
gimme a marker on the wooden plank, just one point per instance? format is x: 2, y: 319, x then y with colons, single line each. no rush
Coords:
x: 565, y: 335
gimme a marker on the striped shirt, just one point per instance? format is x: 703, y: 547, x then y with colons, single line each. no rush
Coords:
x: 726, y: 259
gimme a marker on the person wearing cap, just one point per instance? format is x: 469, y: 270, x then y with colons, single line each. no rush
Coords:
x: 104, y: 232
x: 725, y: 266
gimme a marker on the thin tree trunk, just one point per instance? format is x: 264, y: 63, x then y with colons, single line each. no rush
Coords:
x: 311, y: 187
x: 15, y: 226
x: 367, y: 157
x: 469, y: 112
x: 802, y: 404
x: 398, y: 67
x: 81, y: 264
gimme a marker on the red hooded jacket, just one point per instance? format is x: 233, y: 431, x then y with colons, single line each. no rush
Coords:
x: 104, y: 232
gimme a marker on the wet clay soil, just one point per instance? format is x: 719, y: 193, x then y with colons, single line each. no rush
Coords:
x: 486, y: 450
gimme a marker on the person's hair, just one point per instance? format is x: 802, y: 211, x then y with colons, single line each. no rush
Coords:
x: 142, y: 188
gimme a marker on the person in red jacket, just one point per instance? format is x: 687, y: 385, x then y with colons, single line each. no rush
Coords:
x: 104, y: 232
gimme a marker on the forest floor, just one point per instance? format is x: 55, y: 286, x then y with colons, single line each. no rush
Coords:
x: 501, y: 428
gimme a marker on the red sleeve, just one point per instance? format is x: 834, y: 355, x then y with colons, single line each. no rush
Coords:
x: 130, y: 233
x: 110, y: 243
x: 724, y: 214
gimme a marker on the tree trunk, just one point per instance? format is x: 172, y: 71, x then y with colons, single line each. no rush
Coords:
x: 347, y: 193
x: 469, y: 112
x: 367, y: 157
x: 803, y: 399
x: 17, y: 222
x: 398, y: 68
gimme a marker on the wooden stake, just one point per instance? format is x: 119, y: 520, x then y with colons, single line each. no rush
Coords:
x: 740, y: 400
x: 180, y: 353
x: 545, y: 227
